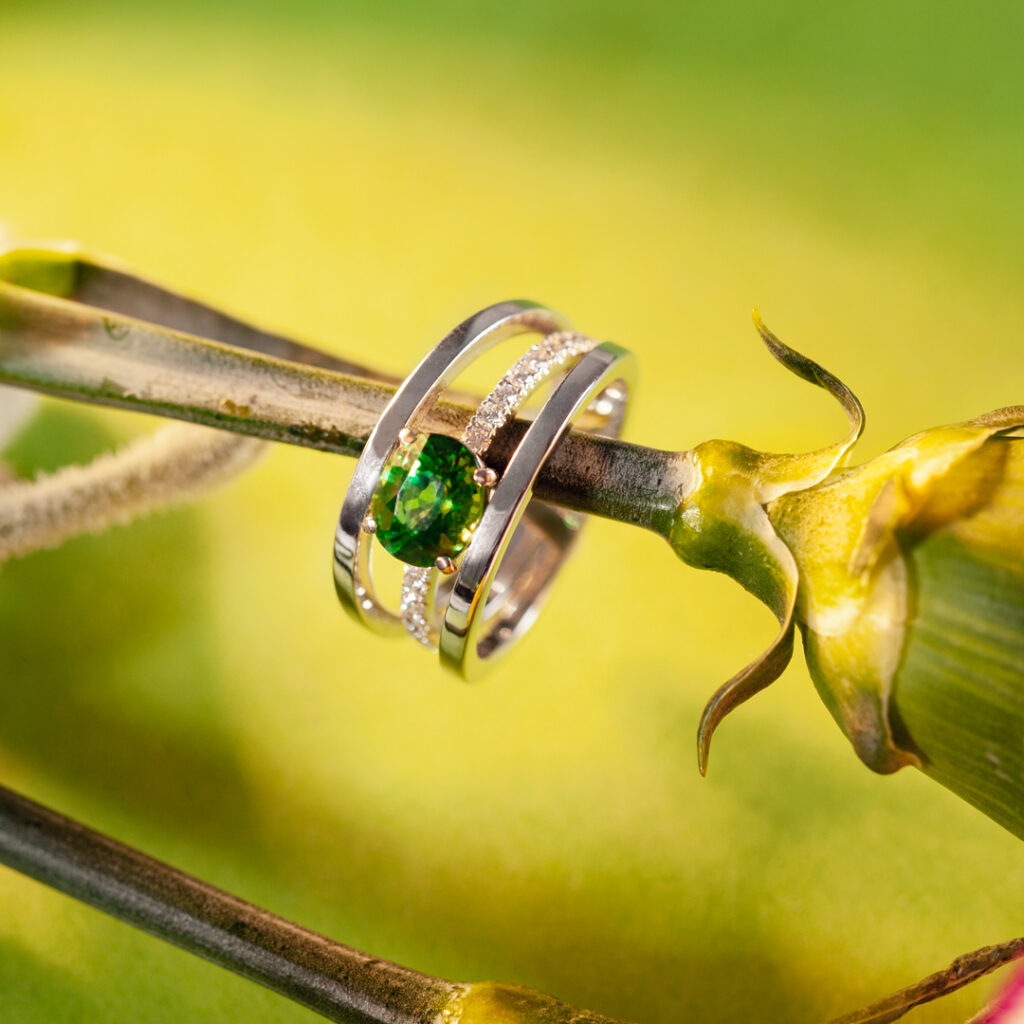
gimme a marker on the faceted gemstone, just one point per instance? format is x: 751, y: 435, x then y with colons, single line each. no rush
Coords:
x: 427, y: 502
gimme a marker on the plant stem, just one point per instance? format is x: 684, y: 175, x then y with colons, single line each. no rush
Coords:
x: 962, y: 971
x: 113, y: 339
x: 335, y: 980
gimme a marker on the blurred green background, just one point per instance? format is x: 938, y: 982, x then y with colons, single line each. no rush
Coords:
x: 365, y: 176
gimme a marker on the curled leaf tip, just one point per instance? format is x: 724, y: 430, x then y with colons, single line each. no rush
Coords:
x: 745, y: 684
x: 712, y: 715
x: 705, y: 730
x: 807, y: 369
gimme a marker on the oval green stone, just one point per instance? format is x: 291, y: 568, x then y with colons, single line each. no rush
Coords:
x: 427, y: 502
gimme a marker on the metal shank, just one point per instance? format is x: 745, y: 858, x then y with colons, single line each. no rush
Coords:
x: 470, y: 636
x: 352, y: 575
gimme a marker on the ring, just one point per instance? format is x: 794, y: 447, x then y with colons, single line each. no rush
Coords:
x: 480, y: 554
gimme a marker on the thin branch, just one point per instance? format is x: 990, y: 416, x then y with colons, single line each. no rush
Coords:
x: 962, y: 971
x: 117, y: 340
x: 335, y: 980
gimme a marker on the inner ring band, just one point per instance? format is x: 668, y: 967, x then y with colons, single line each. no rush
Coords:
x: 352, y: 577
x: 605, y: 377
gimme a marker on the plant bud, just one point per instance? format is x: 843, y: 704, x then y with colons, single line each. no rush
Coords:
x: 906, y: 578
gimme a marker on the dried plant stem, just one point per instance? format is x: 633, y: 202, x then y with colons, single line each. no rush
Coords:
x: 335, y: 980
x: 261, y: 385
x: 962, y: 971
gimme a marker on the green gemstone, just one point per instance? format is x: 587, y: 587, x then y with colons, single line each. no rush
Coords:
x: 427, y: 503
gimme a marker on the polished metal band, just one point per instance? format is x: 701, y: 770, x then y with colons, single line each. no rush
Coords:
x: 472, y: 635
x: 420, y: 586
x: 516, y: 549
x: 474, y: 336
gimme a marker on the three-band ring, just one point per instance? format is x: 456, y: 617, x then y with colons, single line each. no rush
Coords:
x: 475, y: 605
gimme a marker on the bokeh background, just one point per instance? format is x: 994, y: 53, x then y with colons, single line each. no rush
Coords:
x: 365, y: 175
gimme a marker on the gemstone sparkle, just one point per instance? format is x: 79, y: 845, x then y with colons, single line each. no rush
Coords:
x: 427, y: 503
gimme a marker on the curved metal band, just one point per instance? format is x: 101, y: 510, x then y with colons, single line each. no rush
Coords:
x: 470, y: 636
x: 542, y: 537
x: 475, y: 335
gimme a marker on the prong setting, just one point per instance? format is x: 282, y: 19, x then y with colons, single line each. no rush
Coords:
x: 369, y: 525
x: 445, y: 565
x: 407, y: 435
x: 485, y: 477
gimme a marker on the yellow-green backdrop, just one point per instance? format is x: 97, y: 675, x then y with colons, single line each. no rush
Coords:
x: 366, y: 175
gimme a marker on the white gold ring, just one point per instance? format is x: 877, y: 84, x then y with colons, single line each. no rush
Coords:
x: 480, y: 554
